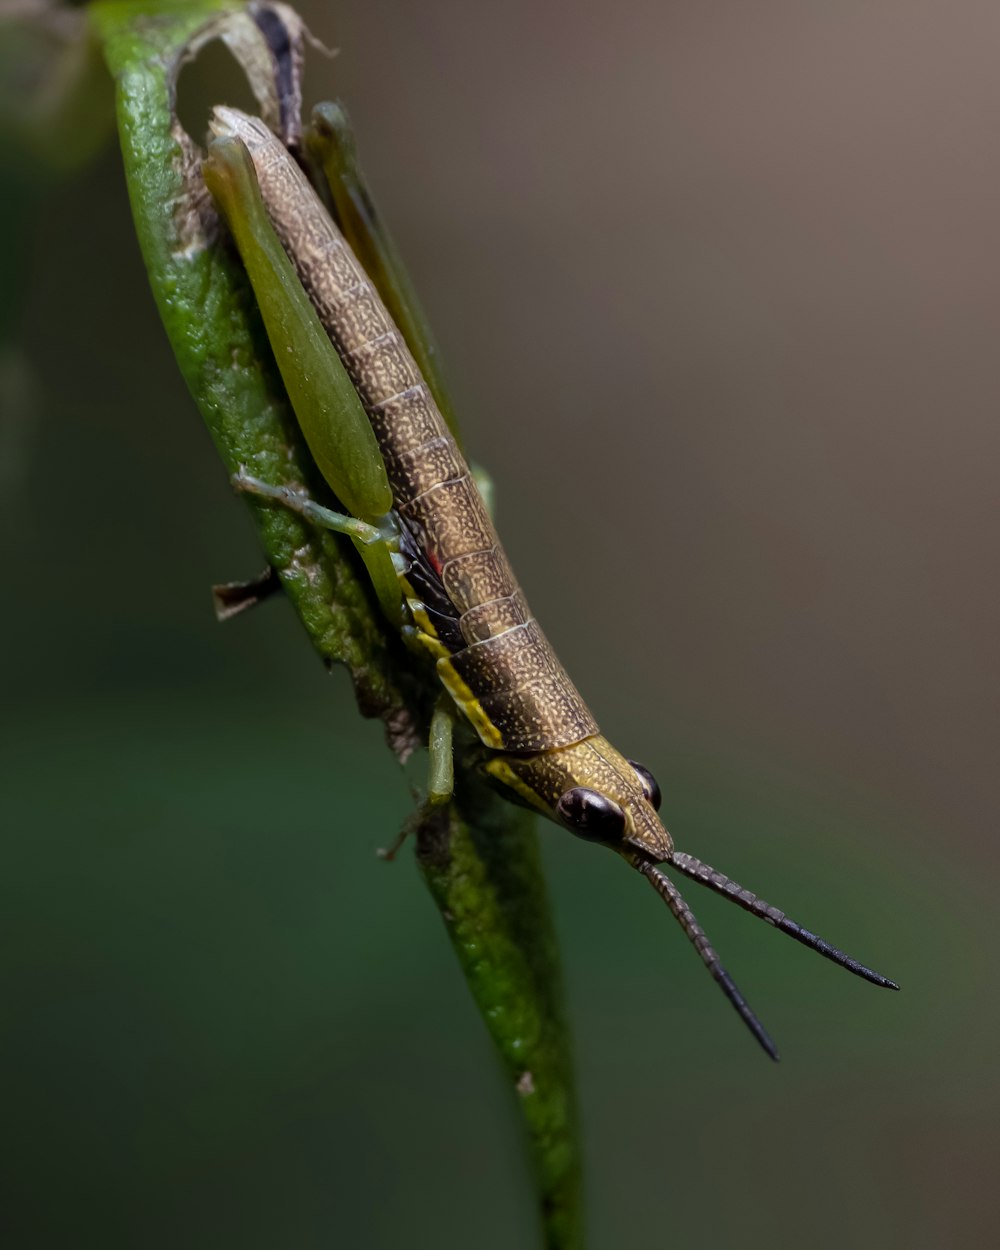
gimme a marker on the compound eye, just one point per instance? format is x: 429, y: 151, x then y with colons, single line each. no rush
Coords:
x: 591, y: 815
x: 649, y: 787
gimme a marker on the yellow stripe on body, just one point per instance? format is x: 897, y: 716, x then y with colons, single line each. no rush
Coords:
x: 498, y: 767
x: 469, y: 704
x: 464, y: 699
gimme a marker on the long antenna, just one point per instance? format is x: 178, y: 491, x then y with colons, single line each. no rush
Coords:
x: 662, y: 884
x: 698, y: 871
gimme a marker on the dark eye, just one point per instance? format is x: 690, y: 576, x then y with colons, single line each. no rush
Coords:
x: 591, y: 815
x: 649, y: 786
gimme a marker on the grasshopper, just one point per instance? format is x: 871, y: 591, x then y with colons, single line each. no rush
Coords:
x: 361, y: 374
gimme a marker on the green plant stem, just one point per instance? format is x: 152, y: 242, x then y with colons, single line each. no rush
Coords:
x: 479, y: 855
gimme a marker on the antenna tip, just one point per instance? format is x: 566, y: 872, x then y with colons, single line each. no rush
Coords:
x: 873, y: 978
x: 766, y: 1044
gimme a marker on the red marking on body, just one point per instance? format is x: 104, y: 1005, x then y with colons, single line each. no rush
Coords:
x: 433, y: 561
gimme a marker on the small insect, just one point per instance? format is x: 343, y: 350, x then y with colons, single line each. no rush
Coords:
x: 363, y: 383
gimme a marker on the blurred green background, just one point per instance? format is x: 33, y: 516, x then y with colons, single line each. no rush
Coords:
x: 717, y: 287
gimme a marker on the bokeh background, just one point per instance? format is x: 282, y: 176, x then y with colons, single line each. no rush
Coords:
x: 718, y: 289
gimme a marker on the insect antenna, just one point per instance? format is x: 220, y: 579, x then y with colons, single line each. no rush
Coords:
x: 698, y: 871
x: 662, y: 884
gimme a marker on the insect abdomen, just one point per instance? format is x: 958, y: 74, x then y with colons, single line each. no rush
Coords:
x: 493, y: 657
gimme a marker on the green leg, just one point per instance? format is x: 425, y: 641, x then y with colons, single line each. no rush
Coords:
x: 330, y: 142
x: 298, y: 501
x: 327, y: 406
x: 440, y: 775
x: 374, y: 543
x: 440, y: 744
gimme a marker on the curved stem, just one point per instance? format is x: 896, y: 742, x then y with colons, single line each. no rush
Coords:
x: 478, y: 854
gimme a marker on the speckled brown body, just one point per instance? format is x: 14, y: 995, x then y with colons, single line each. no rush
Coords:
x: 492, y: 656
x: 466, y: 606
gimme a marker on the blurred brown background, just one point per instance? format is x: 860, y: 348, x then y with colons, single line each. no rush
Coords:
x: 718, y: 290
